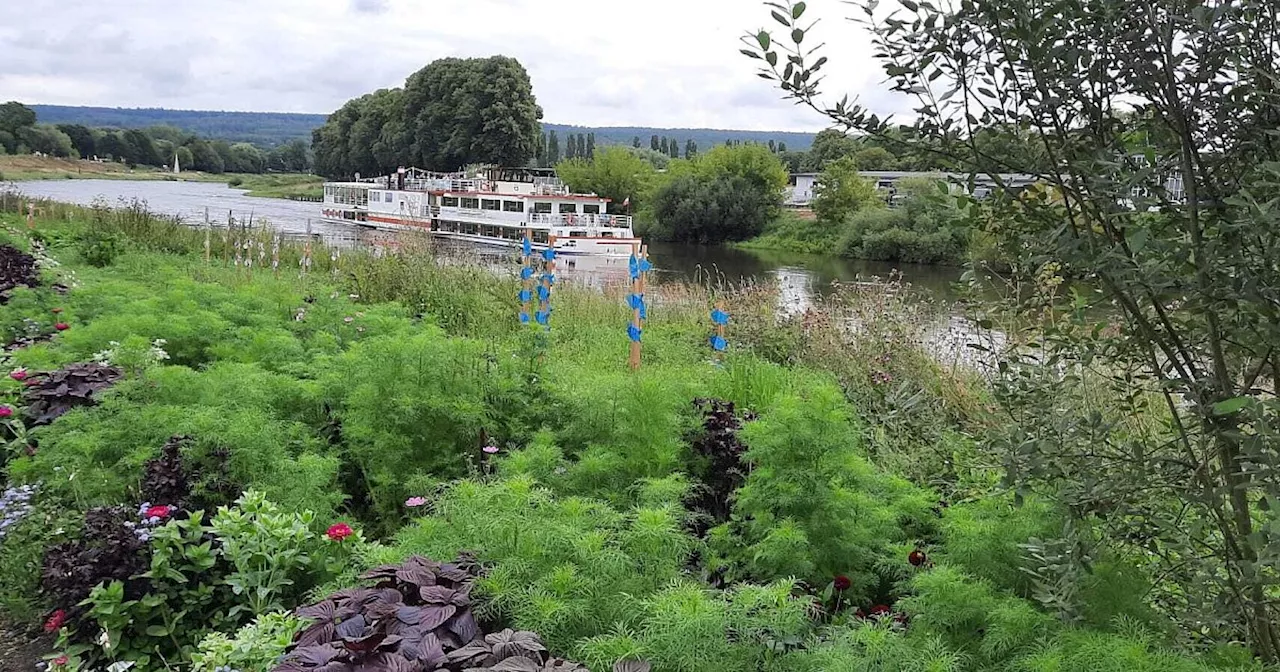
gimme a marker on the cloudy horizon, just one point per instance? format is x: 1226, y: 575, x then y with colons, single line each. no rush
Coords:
x: 665, y: 64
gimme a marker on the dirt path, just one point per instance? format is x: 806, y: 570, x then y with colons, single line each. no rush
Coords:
x: 19, y: 652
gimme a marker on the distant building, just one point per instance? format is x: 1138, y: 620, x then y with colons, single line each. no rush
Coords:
x: 800, y: 189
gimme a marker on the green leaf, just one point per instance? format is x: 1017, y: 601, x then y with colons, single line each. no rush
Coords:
x: 749, y: 53
x: 911, y: 6
x: 763, y: 38
x: 797, y: 36
x: 797, y: 10
x: 1230, y: 406
x: 772, y: 58
x: 781, y: 18
x: 157, y: 631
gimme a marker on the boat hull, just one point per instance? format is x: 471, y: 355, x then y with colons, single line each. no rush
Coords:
x: 567, y: 246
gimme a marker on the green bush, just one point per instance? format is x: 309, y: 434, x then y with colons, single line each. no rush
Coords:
x: 814, y: 508
x: 98, y: 247
x: 256, y: 646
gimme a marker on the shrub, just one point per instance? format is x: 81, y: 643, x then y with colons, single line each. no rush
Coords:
x: 256, y: 646
x: 98, y: 247
x: 565, y: 568
x: 814, y: 508
x: 50, y: 395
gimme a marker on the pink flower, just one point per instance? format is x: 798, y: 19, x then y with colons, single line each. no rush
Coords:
x: 62, y: 326
x: 414, y: 502
x: 6, y: 412
x: 339, y: 531
x: 491, y: 450
x: 159, y: 511
x: 18, y: 374
x: 61, y: 660
x: 56, y: 619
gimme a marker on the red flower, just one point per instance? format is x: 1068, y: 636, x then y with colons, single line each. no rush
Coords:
x: 56, y: 619
x: 339, y: 531
x: 917, y: 558
x: 842, y: 582
x: 6, y: 412
x: 18, y: 374
x: 159, y: 511
x: 61, y: 660
x: 62, y: 326
x: 879, y: 610
x: 859, y: 613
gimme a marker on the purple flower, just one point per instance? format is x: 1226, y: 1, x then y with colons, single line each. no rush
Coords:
x: 491, y: 450
x: 414, y: 502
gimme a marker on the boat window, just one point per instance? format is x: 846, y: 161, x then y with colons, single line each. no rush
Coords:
x: 388, y: 197
x: 471, y: 203
x: 513, y: 206
x: 449, y: 201
x: 544, y: 208
x: 591, y: 209
x: 606, y: 234
x: 568, y: 207
x: 490, y: 204
x: 577, y: 234
x: 540, y: 236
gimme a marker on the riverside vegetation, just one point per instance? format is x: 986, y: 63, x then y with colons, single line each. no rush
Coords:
x: 375, y: 466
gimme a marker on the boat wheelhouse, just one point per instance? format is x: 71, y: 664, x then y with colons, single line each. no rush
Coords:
x: 493, y: 206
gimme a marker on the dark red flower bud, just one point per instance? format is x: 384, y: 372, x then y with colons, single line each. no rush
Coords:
x: 917, y: 558
x: 841, y: 582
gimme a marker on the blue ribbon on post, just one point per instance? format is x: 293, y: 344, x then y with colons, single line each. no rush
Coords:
x: 550, y: 278
x: 524, y: 317
x: 719, y: 317
x: 549, y: 254
x: 526, y: 273
x: 718, y: 343
x: 527, y: 248
x: 525, y: 296
x: 544, y: 294
x: 542, y: 317
x: 633, y: 332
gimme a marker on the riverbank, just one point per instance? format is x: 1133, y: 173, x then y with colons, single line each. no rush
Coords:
x: 18, y: 168
x: 394, y: 406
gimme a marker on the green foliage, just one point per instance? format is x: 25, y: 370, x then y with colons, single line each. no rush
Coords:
x: 705, y: 210
x: 451, y: 113
x: 97, y: 247
x: 565, y: 568
x: 840, y: 192
x: 264, y: 547
x: 813, y: 507
x: 614, y: 172
x: 256, y: 646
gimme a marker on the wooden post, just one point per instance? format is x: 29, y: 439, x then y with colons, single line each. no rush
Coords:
x: 275, y: 255
x: 640, y: 253
x: 306, y: 250
x: 548, y: 269
x: 207, y: 232
x: 526, y: 284
x: 226, y: 241
x: 719, y: 354
x: 31, y: 214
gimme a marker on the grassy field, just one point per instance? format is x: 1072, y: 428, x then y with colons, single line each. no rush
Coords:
x: 275, y: 185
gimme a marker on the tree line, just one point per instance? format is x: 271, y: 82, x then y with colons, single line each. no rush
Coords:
x: 449, y: 114
x: 155, y: 146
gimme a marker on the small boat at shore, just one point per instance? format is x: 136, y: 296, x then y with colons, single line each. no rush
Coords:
x: 492, y: 206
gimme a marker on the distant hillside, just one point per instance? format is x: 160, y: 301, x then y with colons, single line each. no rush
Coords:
x: 273, y: 128
x: 260, y: 128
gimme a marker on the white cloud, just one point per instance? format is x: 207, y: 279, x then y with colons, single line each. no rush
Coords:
x: 593, y: 62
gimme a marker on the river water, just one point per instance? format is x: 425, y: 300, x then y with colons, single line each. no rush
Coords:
x: 801, y: 276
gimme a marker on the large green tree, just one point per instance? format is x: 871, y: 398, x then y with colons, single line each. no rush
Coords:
x: 1145, y: 398
x: 615, y: 173
x: 81, y: 138
x: 15, y: 116
x: 478, y: 110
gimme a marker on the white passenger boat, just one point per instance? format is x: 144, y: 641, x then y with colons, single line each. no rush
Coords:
x: 492, y: 206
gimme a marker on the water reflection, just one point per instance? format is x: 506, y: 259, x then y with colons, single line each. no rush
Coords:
x: 802, y: 279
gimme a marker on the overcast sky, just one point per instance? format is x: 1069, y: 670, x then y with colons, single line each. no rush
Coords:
x: 667, y: 63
